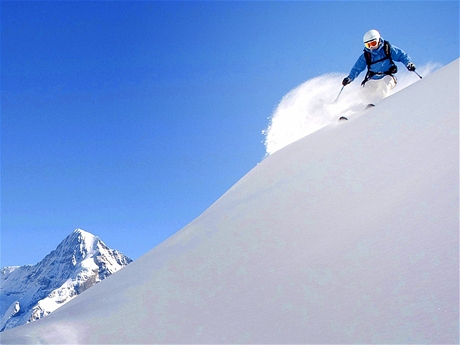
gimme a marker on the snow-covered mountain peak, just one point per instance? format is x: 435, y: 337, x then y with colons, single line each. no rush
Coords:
x: 83, y: 236
x: 80, y: 244
x: 30, y: 292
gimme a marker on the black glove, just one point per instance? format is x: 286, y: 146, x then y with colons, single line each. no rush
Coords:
x: 410, y: 66
x: 346, y: 81
x: 393, y: 69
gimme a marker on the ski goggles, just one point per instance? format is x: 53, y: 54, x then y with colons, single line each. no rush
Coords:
x: 371, y: 44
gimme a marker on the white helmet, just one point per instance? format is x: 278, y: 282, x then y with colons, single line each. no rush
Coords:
x: 370, y: 36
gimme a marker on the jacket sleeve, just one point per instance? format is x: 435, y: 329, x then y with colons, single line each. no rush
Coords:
x: 360, y: 65
x: 400, y: 55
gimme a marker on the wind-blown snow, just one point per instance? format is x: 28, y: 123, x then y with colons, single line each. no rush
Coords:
x: 347, y: 236
x: 312, y: 106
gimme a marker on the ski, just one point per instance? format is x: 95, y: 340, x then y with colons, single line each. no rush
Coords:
x: 343, y: 118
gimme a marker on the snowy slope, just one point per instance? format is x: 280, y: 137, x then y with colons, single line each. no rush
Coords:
x: 349, y: 235
x: 31, y: 292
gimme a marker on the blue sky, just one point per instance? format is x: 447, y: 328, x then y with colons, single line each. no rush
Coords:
x: 129, y: 119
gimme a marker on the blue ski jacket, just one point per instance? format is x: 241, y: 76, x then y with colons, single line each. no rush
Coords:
x: 397, y: 54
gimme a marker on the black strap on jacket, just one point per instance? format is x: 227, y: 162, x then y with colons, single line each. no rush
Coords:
x: 391, y: 70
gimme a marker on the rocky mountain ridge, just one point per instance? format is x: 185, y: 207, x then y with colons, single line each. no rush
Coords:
x: 31, y: 292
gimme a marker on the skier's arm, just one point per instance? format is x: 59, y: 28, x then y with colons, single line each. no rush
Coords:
x: 400, y: 55
x: 360, y: 65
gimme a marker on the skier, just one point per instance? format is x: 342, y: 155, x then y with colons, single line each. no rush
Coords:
x: 378, y: 57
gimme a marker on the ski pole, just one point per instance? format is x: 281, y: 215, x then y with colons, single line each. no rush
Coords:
x: 417, y: 74
x: 339, y: 93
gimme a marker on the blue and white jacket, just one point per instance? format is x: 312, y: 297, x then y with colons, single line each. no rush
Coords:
x: 383, y: 66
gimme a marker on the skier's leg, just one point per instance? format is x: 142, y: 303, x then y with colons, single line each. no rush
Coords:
x: 388, y: 84
x: 370, y: 91
x: 377, y: 89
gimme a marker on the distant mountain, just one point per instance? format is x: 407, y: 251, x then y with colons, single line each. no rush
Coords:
x: 28, y: 293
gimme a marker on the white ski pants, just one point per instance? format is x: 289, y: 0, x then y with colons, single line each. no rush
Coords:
x: 375, y: 90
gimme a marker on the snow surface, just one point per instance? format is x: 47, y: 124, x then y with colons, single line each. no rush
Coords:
x: 348, y: 235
